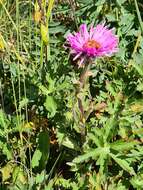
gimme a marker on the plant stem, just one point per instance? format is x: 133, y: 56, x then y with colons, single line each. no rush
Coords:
x: 1, y: 94
x: 83, y: 78
x: 139, y: 15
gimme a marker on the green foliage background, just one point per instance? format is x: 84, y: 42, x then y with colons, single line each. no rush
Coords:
x: 41, y: 146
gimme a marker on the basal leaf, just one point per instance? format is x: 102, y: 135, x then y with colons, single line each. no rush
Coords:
x: 43, y: 147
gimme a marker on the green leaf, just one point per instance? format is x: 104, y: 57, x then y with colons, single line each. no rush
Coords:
x: 123, y: 164
x: 36, y: 158
x: 95, y: 139
x: 65, y: 183
x: 50, y: 105
x: 40, y: 177
x: 51, y: 83
x: 110, y: 128
x: 122, y: 145
x: 44, y: 90
x: 57, y: 29
x: 102, y: 160
x: 69, y: 143
x: 50, y: 185
x: 7, y: 150
x: 18, y: 175
x: 110, y: 88
x: 91, y: 154
x: 43, y: 147
x: 137, y: 182
x: 98, y: 131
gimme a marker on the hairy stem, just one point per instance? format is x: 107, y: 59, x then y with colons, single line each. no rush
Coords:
x: 82, y: 81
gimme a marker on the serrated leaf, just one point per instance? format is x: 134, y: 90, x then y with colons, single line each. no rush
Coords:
x: 44, y: 90
x: 110, y: 88
x: 95, y: 139
x: 109, y: 127
x: 90, y: 154
x: 123, y: 164
x: 122, y: 145
x: 137, y: 182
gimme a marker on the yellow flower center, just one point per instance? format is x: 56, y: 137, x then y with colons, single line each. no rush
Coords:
x: 92, y: 44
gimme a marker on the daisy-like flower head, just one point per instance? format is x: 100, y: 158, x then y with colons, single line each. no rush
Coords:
x: 97, y: 42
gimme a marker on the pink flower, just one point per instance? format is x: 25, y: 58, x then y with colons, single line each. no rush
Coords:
x: 98, y: 42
